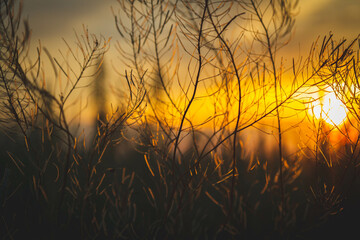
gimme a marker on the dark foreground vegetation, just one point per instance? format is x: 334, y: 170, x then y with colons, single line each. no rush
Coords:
x: 168, y: 158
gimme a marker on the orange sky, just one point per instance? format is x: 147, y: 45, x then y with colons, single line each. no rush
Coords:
x: 53, y: 20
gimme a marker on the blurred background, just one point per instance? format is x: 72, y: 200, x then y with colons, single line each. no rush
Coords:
x: 52, y: 20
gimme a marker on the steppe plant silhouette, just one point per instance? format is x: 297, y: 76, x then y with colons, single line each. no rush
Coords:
x: 169, y: 158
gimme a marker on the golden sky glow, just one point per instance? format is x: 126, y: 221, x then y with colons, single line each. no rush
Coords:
x: 54, y: 20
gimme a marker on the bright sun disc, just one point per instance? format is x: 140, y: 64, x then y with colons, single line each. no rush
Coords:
x: 329, y: 108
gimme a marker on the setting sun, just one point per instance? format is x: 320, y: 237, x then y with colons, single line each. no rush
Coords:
x: 329, y: 108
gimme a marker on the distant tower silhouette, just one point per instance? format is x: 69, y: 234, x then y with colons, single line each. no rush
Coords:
x: 100, y: 91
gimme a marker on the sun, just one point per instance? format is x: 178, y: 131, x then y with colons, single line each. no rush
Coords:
x: 329, y: 108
